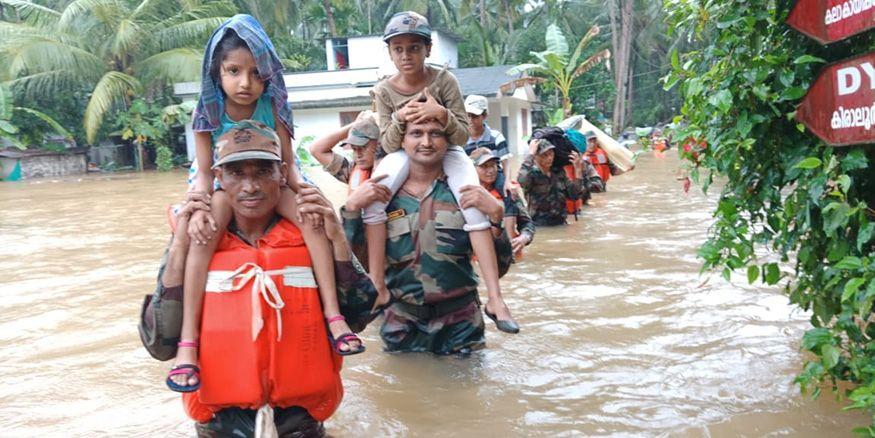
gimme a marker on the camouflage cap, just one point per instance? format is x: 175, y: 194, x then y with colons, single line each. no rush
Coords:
x: 407, y: 23
x: 248, y: 140
x: 481, y: 156
x: 362, y: 131
x: 543, y: 146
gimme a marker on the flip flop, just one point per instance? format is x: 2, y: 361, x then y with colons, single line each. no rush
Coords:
x: 344, y: 338
x: 189, y: 370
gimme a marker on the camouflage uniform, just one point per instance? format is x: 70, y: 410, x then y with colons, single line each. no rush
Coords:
x: 513, y: 206
x: 429, y: 274
x: 546, y: 195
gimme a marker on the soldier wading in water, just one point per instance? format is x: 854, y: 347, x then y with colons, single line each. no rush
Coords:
x: 435, y: 307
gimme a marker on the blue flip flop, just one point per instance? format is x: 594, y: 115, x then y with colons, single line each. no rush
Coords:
x: 189, y: 370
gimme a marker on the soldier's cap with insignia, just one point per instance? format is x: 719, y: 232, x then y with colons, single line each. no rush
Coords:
x: 247, y: 140
x: 407, y: 23
x: 544, y: 146
x: 481, y: 156
x: 362, y: 131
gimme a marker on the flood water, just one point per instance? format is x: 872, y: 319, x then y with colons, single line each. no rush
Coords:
x: 620, y: 335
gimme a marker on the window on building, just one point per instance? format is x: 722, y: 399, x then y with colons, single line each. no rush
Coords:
x: 341, y: 53
x: 347, y: 117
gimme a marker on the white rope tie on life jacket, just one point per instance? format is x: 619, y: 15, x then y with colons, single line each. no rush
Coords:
x: 265, y: 427
x: 262, y: 286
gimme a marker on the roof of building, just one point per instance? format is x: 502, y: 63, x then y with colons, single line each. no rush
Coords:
x: 484, y: 81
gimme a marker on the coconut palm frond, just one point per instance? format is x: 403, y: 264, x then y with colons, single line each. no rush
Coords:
x: 35, y: 55
x: 176, y: 65
x: 593, y: 31
x: 47, y: 119
x: 111, y: 92
x: 45, y: 83
x: 34, y: 14
x: 128, y: 38
x: 151, y: 9
x: 189, y: 33
x: 104, y: 9
x: 591, y: 62
x: 207, y: 10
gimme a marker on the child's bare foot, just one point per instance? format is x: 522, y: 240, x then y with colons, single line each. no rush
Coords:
x: 185, y: 375
x: 343, y: 340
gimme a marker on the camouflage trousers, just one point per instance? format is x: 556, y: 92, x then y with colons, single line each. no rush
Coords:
x: 453, y: 326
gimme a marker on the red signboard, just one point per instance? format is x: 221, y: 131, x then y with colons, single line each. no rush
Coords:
x: 840, y: 106
x: 828, y: 21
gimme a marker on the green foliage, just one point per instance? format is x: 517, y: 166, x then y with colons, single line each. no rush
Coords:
x: 163, y: 158
x: 808, y: 203
x: 11, y: 125
x: 113, y: 49
x: 558, y: 66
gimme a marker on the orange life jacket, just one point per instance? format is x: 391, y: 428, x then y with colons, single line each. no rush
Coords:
x: 357, y: 176
x: 572, y: 207
x: 599, y: 160
x: 263, y: 335
x: 660, y: 145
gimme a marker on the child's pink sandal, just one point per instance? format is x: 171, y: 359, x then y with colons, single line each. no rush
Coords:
x: 344, y: 338
x: 190, y: 370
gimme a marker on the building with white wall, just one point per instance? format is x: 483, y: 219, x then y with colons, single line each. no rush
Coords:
x: 323, y: 101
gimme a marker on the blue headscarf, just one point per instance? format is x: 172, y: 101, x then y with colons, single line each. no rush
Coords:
x: 577, y: 139
x: 211, y: 103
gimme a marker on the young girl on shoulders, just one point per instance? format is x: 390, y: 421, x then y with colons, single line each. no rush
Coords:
x: 242, y: 78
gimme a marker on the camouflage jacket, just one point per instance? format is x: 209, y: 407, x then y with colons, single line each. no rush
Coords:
x: 428, y: 253
x: 524, y: 223
x: 340, y: 168
x: 546, y: 194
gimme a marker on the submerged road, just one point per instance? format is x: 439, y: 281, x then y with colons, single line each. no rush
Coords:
x: 620, y: 335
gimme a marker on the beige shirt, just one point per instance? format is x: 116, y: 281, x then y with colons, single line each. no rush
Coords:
x: 445, y: 89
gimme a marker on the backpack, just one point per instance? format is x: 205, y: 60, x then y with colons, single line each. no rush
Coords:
x: 564, y: 147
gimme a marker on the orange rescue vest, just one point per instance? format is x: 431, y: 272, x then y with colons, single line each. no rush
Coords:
x: 599, y: 160
x: 572, y: 207
x: 263, y: 335
x: 357, y: 176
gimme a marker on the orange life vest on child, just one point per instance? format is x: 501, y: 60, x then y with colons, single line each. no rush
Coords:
x: 357, y: 176
x: 599, y: 160
x: 571, y: 207
x: 263, y: 335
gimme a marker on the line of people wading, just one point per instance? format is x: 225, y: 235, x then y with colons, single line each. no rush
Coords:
x: 260, y: 292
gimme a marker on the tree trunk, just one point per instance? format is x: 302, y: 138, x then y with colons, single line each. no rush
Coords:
x: 509, y: 16
x: 332, y: 28
x: 629, y: 94
x: 483, y: 14
x: 620, y: 12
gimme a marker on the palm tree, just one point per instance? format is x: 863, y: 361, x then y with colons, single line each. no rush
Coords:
x: 558, y: 68
x: 116, y: 49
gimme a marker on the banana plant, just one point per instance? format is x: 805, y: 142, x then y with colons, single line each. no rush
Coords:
x: 558, y: 67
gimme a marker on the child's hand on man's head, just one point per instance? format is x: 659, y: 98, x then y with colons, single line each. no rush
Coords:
x: 420, y: 111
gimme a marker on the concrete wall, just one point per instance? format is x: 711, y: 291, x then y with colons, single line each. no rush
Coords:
x: 50, y: 165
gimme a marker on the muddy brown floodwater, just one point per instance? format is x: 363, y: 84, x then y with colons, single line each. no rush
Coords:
x: 619, y: 336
